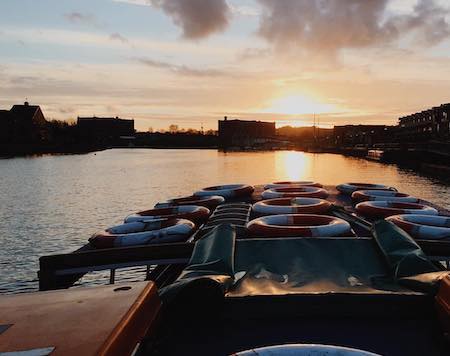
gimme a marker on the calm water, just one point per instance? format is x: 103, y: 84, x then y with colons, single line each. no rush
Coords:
x: 52, y: 204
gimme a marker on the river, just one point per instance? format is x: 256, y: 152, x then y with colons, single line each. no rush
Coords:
x: 52, y: 204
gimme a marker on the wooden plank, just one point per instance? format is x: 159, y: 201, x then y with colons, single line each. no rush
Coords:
x: 104, y: 320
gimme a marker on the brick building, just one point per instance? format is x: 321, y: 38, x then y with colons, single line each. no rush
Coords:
x: 23, y: 124
x: 243, y: 134
x: 429, y: 124
x: 104, y: 128
x: 350, y: 135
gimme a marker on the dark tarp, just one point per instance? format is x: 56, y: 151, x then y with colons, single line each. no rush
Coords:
x: 221, y: 265
x: 402, y: 254
x: 278, y: 266
x: 210, y: 271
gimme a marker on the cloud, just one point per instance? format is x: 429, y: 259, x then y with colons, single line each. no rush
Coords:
x: 197, y: 18
x: 253, y: 53
x: 181, y: 69
x: 78, y: 17
x: 118, y: 37
x: 134, y: 2
x: 331, y: 25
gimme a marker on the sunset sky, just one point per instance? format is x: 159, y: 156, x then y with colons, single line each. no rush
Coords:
x: 189, y: 62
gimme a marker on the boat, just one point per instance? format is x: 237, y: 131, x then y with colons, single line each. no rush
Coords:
x: 293, y: 289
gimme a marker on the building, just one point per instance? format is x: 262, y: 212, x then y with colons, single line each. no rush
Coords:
x: 350, y: 135
x: 23, y: 124
x: 431, y: 124
x: 245, y: 134
x: 102, y: 129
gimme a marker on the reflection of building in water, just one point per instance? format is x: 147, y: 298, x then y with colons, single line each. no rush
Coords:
x: 428, y: 124
x: 246, y: 134
x: 105, y: 128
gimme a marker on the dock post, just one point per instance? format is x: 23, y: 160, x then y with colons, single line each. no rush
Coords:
x: 112, y: 276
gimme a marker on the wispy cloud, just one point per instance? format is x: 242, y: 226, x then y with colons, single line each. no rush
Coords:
x: 81, y: 18
x: 182, y: 69
x: 118, y: 37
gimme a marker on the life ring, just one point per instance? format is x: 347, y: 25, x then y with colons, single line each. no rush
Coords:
x: 383, y: 209
x: 197, y: 214
x: 142, y: 233
x: 423, y: 226
x: 226, y: 191
x: 291, y: 206
x: 386, y: 195
x: 298, y: 225
x: 349, y: 188
x: 304, y: 350
x: 292, y: 183
x: 293, y: 192
x: 210, y: 202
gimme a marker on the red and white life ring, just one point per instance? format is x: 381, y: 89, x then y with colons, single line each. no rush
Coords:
x: 383, y: 209
x: 197, y: 214
x: 423, y: 226
x: 293, y: 192
x: 291, y: 206
x: 349, y: 188
x: 210, y: 202
x: 386, y: 195
x: 292, y: 183
x: 142, y: 233
x: 226, y: 191
x: 298, y: 225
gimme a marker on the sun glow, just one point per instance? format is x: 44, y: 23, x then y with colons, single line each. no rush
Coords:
x: 299, y: 105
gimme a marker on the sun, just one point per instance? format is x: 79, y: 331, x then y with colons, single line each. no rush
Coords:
x: 299, y: 105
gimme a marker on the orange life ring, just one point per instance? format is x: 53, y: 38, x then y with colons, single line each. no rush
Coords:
x: 349, y: 188
x: 291, y: 206
x: 386, y: 195
x: 197, y: 214
x: 307, y: 225
x: 292, y: 183
x: 423, y: 226
x: 142, y: 233
x: 226, y: 191
x: 292, y: 192
x: 383, y: 209
x: 210, y: 202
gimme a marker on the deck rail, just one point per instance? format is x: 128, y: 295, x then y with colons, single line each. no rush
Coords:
x: 61, y: 271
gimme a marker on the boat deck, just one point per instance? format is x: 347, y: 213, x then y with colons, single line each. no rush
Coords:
x: 261, y: 292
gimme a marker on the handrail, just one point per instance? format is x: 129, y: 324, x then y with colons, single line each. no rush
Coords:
x: 62, y: 270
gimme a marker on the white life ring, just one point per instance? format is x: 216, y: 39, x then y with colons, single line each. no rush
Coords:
x: 386, y: 195
x: 292, y: 183
x: 197, y: 214
x: 141, y: 233
x: 383, y: 209
x: 291, y: 206
x: 304, y: 350
x: 308, y: 225
x: 423, y: 226
x: 226, y: 191
x: 297, y: 191
x: 349, y: 188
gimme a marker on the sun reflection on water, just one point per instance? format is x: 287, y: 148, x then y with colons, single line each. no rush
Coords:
x: 293, y: 166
